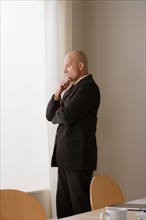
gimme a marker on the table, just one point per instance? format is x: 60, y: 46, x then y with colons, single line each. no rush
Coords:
x: 133, y: 215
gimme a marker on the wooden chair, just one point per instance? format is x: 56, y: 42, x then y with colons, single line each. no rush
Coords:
x: 104, y: 191
x: 18, y: 205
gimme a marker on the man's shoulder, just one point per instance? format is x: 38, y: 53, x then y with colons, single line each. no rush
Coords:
x: 89, y: 81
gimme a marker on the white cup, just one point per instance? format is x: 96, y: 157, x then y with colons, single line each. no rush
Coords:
x: 114, y: 214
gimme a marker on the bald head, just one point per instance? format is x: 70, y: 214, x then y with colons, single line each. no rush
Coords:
x: 79, y: 57
x: 75, y: 65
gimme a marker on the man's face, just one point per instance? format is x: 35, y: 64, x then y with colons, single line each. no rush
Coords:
x: 71, y: 67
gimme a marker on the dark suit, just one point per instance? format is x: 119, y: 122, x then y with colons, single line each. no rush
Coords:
x: 76, y: 113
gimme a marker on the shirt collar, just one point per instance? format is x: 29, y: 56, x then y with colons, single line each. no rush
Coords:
x: 81, y: 79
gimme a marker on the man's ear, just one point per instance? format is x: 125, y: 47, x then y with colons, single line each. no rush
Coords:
x: 81, y: 66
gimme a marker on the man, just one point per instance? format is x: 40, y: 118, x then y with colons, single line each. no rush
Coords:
x: 75, y: 151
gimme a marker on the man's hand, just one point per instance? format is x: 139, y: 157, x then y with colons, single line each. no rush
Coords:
x: 62, y: 86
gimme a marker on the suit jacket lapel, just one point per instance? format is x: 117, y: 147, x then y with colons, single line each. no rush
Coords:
x: 74, y: 87
x: 68, y: 92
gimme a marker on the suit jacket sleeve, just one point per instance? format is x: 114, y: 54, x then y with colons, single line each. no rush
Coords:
x: 52, y: 107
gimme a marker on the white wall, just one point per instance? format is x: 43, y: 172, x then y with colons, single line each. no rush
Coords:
x: 113, y: 36
x: 24, y: 149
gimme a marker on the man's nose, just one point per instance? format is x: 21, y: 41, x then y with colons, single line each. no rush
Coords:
x: 65, y: 70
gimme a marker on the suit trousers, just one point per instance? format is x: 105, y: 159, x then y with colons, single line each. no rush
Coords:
x: 73, y: 192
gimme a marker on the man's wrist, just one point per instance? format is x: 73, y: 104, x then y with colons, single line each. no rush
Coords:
x: 56, y: 97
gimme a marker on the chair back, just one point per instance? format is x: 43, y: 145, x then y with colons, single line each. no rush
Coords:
x: 104, y: 191
x: 15, y: 204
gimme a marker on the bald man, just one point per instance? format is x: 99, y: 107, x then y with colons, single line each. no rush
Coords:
x: 75, y: 149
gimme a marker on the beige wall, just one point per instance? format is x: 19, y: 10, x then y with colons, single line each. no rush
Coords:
x: 112, y: 33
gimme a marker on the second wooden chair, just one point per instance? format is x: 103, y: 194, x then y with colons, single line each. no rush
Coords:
x: 104, y: 191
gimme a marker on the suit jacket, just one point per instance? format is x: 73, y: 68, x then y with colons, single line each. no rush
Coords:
x: 76, y: 113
